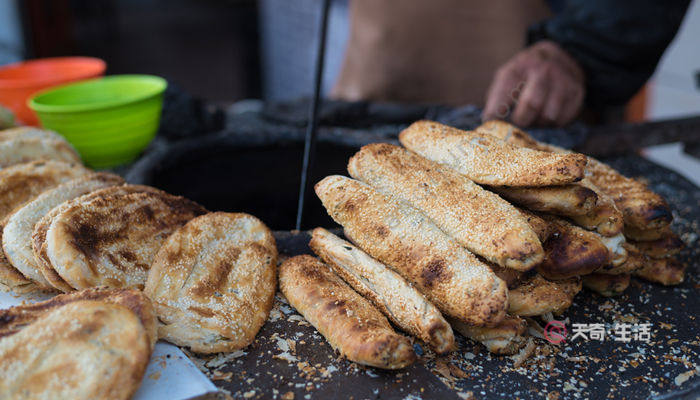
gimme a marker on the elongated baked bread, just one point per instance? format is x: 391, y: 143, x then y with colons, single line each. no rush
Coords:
x: 572, y: 251
x: 350, y: 323
x: 403, y: 238
x: 641, y: 208
x: 666, y: 271
x: 82, y: 350
x: 511, y: 134
x: 607, y: 285
x: 511, y: 277
x: 604, y: 218
x: 213, y: 282
x: 537, y: 296
x: 616, y: 248
x: 14, y: 319
x: 635, y: 260
x: 111, y: 240
x: 542, y: 228
x: 509, y: 336
x: 476, y: 218
x: 39, y: 245
x: 664, y: 247
x: 488, y: 160
x: 644, y: 235
x: 16, y: 237
x: 567, y: 200
x: 387, y: 290
x: 19, y: 184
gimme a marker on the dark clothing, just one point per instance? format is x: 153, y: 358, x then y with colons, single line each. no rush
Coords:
x: 617, y: 43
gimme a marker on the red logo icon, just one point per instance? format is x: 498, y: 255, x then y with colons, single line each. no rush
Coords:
x: 555, y: 332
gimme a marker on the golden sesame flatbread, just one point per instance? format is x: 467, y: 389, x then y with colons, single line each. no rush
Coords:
x: 83, y: 350
x: 14, y: 319
x: 213, y: 282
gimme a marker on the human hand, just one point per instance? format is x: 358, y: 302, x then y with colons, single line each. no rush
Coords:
x: 542, y: 85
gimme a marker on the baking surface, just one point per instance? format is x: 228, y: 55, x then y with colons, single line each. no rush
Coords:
x: 289, y: 357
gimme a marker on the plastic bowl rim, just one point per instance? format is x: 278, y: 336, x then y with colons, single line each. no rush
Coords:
x: 28, y: 83
x: 68, y: 108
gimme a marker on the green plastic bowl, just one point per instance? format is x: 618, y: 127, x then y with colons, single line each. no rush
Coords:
x: 110, y: 120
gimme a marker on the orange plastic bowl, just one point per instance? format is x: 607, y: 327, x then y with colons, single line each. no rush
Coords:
x: 19, y: 81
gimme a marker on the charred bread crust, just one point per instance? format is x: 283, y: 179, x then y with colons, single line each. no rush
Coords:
x: 572, y: 251
x: 538, y: 296
x: 604, y: 218
x: 39, y: 246
x: 644, y: 235
x: 17, y: 232
x: 111, y: 239
x: 635, y: 260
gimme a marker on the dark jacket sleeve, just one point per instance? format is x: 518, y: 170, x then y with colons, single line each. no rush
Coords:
x: 617, y: 43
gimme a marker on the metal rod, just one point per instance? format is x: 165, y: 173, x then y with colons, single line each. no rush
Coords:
x: 312, y: 122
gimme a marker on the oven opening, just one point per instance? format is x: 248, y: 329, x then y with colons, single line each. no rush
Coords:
x: 262, y: 180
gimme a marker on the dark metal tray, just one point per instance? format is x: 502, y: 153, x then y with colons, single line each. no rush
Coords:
x: 290, y: 358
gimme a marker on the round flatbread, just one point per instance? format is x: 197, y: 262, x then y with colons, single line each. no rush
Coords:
x: 17, y: 233
x: 19, y: 184
x: 22, y: 182
x: 213, y: 282
x: 22, y: 150
x: 42, y: 226
x: 28, y: 132
x: 14, y: 319
x: 111, y: 240
x: 83, y: 350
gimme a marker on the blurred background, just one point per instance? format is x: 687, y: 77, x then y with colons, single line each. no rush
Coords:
x: 226, y: 50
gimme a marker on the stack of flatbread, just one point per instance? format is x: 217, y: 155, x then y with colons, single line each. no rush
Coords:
x: 473, y: 231
x: 210, y: 277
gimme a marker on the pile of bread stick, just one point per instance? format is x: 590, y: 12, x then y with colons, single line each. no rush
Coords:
x: 471, y: 231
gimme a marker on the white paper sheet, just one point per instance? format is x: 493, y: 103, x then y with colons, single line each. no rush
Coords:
x: 169, y: 375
